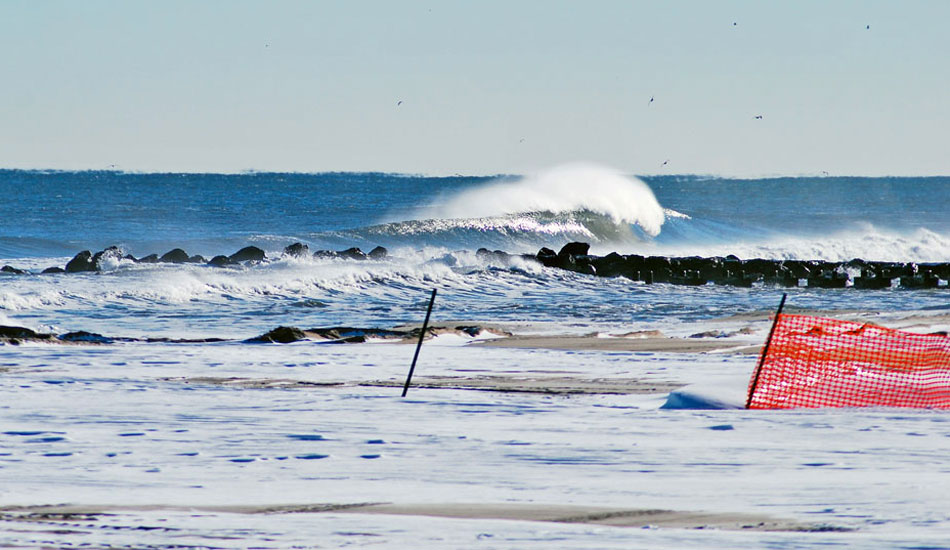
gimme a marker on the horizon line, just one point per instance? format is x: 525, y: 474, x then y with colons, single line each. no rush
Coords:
x: 253, y: 172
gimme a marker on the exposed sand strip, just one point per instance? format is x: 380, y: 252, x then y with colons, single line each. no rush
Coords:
x: 615, y: 517
x: 524, y: 384
x: 651, y: 344
x: 251, y: 383
x: 547, y: 384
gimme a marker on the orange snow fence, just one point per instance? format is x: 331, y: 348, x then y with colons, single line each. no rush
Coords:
x: 817, y: 362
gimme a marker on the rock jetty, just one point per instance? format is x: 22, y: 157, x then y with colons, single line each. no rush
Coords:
x: 732, y: 271
x: 575, y: 256
x: 86, y: 261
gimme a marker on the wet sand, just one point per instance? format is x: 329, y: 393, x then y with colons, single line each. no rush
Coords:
x: 648, y: 344
x: 511, y: 384
x: 578, y: 514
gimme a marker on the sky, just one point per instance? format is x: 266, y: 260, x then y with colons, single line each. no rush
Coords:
x: 488, y: 87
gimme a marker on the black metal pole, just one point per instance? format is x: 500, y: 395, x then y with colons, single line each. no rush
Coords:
x: 765, y: 352
x: 422, y: 335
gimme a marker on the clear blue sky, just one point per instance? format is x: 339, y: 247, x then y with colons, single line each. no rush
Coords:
x: 487, y: 87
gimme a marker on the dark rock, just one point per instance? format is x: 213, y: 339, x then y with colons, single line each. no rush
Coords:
x: 352, y: 334
x: 611, y: 265
x: 81, y: 262
x: 829, y: 278
x: 574, y: 249
x: 297, y: 249
x: 85, y: 337
x: 280, y: 335
x: 247, y: 254
x: 738, y: 278
x: 583, y: 264
x: 633, y: 267
x: 175, y: 256
x: 352, y: 254
x: 734, y: 271
x: 378, y: 253
x: 709, y: 334
x: 768, y: 268
x: 17, y: 332
x: 197, y: 259
x: 112, y: 253
x: 12, y: 270
x: 13, y: 335
x: 688, y: 278
x: 890, y: 270
x: 874, y: 283
x: 220, y: 261
x: 150, y: 259
x: 53, y: 270
x: 940, y: 270
x: 547, y: 257
x: 783, y: 277
x: 919, y: 281
x: 359, y: 339
x: 324, y: 254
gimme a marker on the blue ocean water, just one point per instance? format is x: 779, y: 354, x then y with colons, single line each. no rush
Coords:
x: 432, y: 227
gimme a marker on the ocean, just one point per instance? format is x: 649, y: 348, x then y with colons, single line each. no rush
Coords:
x: 155, y: 422
x: 432, y: 228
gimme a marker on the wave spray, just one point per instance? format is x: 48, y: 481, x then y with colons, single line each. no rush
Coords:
x: 562, y: 190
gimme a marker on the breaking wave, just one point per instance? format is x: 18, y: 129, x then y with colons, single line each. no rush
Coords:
x: 569, y: 203
x: 564, y: 190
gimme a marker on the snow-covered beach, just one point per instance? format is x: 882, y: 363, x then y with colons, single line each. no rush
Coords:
x: 276, y: 445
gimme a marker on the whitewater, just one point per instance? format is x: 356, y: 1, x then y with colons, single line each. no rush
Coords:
x: 185, y: 434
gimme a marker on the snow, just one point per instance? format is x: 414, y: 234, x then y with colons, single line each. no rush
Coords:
x: 154, y: 424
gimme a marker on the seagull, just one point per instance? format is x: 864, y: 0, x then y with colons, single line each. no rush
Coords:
x: 665, y: 162
x: 868, y: 27
x: 734, y: 23
x: 651, y: 100
x: 521, y: 140
x: 758, y: 117
x: 398, y: 103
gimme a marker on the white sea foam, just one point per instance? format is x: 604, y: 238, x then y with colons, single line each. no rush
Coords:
x: 568, y: 188
x: 866, y: 242
x: 501, y: 224
x: 6, y: 321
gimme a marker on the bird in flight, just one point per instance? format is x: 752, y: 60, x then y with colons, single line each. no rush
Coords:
x: 651, y: 100
x: 398, y: 103
x: 758, y: 117
x: 868, y: 27
x: 665, y: 162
